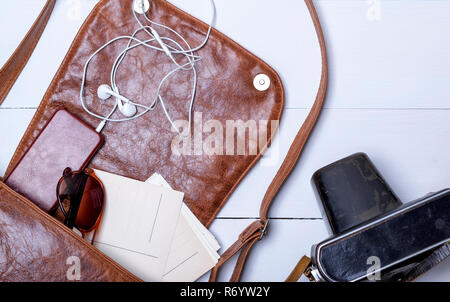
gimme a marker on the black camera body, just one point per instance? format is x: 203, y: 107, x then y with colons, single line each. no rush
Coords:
x: 374, y: 236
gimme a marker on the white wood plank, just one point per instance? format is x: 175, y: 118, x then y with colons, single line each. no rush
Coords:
x: 399, y: 61
x: 13, y: 123
x: 409, y: 147
x: 63, y: 25
x: 28, y: 10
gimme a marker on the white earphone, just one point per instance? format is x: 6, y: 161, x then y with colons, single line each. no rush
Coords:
x: 169, y: 46
x: 104, y: 92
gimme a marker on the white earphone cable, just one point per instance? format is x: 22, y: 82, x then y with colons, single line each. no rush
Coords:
x: 170, y: 50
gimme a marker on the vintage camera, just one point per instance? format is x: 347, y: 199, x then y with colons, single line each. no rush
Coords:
x: 374, y: 236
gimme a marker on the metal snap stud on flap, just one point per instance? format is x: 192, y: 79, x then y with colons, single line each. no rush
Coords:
x: 141, y: 6
x: 261, y: 82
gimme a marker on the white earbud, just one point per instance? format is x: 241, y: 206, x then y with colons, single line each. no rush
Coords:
x: 104, y: 92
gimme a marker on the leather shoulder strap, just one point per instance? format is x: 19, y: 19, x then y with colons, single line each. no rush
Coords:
x: 256, y: 230
x: 299, y: 270
x: 14, y: 66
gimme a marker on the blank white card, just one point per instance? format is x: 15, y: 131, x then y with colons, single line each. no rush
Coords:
x: 138, y: 224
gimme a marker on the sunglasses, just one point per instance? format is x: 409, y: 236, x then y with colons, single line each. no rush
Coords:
x: 81, y: 198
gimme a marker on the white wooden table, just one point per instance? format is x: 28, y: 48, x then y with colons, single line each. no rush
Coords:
x: 389, y: 96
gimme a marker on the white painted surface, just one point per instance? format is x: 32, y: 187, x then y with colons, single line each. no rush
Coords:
x: 389, y: 96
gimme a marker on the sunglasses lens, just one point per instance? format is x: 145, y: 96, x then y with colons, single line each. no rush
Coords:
x: 82, y: 196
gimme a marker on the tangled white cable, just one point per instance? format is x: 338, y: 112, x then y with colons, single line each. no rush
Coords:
x: 164, y: 44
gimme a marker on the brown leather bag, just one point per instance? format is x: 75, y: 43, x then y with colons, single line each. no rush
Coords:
x: 36, y: 247
x: 33, y: 245
x: 139, y: 148
x: 226, y: 93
